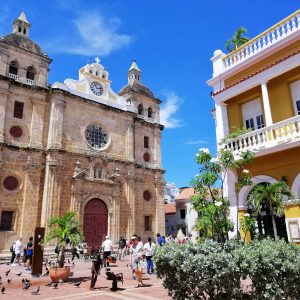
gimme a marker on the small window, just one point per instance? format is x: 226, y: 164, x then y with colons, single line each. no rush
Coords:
x: 148, y: 223
x: 24, y: 31
x: 20, y: 29
x: 150, y: 112
x: 250, y: 123
x: 6, y: 220
x: 182, y: 214
x: 30, y: 73
x: 146, y: 157
x: 18, y: 110
x: 140, y: 109
x: 260, y: 121
x: 97, y: 73
x: 13, y: 68
x: 91, y: 72
x: 298, y: 106
x: 146, y: 142
x: 147, y: 195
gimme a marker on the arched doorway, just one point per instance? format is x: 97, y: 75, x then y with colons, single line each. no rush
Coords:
x: 95, y: 222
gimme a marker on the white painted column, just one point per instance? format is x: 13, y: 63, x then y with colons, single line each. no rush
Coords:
x: 266, y: 103
x: 3, y: 100
x: 222, y: 121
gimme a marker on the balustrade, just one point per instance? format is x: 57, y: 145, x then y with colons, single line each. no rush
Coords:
x: 264, y: 40
x: 286, y: 131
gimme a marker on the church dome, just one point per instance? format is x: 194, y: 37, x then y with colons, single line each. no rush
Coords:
x: 136, y: 87
x: 23, y: 42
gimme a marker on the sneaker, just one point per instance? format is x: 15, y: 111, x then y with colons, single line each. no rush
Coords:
x: 27, y: 269
x: 13, y: 264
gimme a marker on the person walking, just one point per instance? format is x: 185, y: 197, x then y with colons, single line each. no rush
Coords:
x: 96, y: 267
x: 29, y: 252
x: 136, y: 256
x: 107, y: 248
x: 122, y: 248
x: 13, y: 253
x: 149, y: 251
x: 18, y: 251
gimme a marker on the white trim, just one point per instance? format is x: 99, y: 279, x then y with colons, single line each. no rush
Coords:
x: 296, y: 186
x: 290, y: 220
x: 244, y: 192
x: 256, y: 80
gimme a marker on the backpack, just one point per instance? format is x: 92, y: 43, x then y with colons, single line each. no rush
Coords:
x: 11, y: 249
x: 56, y: 250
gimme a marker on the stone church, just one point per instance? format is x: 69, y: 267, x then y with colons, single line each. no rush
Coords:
x: 76, y: 146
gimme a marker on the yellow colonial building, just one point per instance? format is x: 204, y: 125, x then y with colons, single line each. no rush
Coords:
x: 257, y: 86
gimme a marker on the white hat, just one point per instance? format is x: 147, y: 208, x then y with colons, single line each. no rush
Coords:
x: 107, y: 237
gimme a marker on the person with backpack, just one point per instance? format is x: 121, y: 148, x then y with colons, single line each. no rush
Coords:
x: 29, y: 253
x: 122, y: 248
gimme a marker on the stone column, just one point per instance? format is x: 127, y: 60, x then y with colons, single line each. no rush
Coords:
x: 31, y: 197
x: 55, y: 134
x: 37, y: 123
x: 130, y: 199
x: 222, y: 120
x: 156, y: 147
x: 52, y: 187
x: 115, y: 226
x: 3, y: 100
x: 266, y: 103
x: 130, y: 141
x: 159, y: 225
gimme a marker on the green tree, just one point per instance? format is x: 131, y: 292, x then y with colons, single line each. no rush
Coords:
x: 271, y: 195
x: 65, y: 230
x: 247, y: 224
x: 237, y: 40
x: 210, y: 203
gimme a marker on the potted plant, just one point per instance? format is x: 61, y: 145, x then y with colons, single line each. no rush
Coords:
x: 67, y: 233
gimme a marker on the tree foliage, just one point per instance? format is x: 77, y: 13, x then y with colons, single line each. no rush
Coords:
x: 237, y: 40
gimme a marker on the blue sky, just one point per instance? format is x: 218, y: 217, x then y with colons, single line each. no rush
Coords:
x: 172, y: 42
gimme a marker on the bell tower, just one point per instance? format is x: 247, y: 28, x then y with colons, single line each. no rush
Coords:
x: 134, y: 73
x: 21, y: 25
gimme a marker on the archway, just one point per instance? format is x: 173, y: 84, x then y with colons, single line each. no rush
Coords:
x: 95, y: 222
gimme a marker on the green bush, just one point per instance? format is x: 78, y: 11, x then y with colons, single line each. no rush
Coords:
x: 212, y: 270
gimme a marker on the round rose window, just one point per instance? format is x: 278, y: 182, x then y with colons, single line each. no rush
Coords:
x: 147, y: 195
x: 16, y: 131
x: 96, y: 137
x: 146, y: 157
x: 11, y: 183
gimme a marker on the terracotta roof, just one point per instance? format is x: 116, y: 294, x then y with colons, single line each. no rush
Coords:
x: 170, y: 209
x: 257, y: 72
x: 185, y: 193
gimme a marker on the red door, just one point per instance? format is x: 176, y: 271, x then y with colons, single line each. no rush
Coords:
x: 95, y: 222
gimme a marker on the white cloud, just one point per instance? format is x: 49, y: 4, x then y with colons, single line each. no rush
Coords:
x: 169, y: 108
x: 93, y: 34
x: 197, y: 142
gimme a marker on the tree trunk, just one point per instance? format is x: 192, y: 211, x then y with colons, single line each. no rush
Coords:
x: 274, y: 226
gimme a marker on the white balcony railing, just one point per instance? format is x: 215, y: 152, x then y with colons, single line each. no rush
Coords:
x: 265, y: 138
x: 21, y: 79
x: 264, y: 40
x: 13, y: 76
x: 29, y: 81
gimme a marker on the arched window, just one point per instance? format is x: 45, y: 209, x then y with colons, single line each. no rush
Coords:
x: 13, y: 68
x: 140, y: 109
x: 30, y: 73
x: 20, y: 29
x: 150, y: 112
x: 97, y: 74
x: 24, y: 31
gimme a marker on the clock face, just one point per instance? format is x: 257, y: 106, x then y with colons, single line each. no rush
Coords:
x: 96, y: 137
x: 96, y: 88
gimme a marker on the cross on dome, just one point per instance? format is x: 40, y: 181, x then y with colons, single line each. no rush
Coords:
x: 97, y: 59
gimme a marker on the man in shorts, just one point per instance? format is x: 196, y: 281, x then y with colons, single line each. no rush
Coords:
x: 18, y: 251
x: 29, y: 252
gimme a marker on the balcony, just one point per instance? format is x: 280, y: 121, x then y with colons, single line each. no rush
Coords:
x: 283, y: 135
x: 21, y: 79
x: 265, y: 40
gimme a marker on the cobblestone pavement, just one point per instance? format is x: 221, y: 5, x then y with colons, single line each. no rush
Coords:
x: 153, y: 288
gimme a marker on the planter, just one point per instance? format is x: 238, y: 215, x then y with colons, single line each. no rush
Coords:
x: 56, y: 273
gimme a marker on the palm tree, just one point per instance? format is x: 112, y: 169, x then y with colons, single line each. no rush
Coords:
x: 237, y: 40
x: 65, y: 230
x: 272, y: 196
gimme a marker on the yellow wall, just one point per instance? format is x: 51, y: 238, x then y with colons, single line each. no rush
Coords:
x: 264, y: 63
x: 292, y: 211
x: 281, y: 102
x: 283, y: 163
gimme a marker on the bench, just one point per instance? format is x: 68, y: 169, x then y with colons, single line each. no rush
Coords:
x: 115, y: 278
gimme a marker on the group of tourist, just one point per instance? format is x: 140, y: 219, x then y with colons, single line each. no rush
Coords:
x: 19, y: 253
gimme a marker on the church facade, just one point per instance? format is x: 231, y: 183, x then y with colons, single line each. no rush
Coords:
x: 76, y: 146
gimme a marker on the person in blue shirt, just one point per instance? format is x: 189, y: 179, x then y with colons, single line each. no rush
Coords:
x: 160, y: 239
